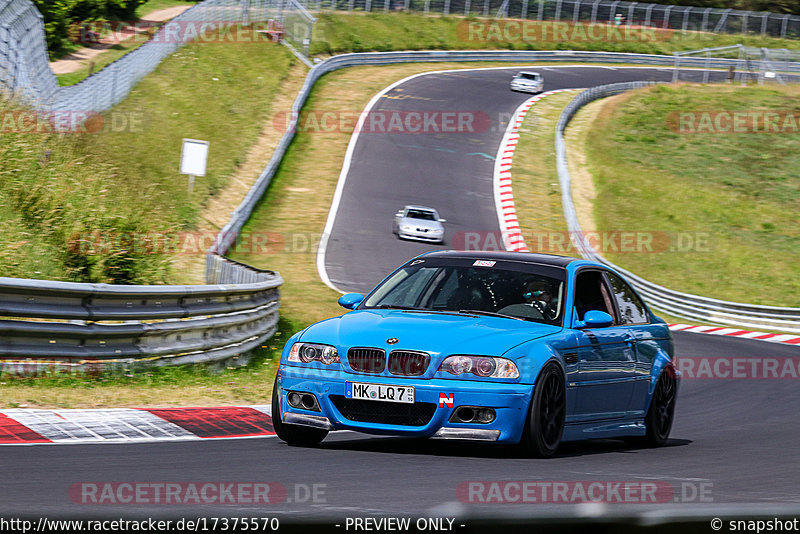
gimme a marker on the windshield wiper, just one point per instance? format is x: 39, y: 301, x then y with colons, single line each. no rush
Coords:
x: 491, y: 314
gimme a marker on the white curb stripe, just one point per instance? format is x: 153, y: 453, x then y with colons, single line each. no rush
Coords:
x: 120, y: 424
x: 787, y: 339
x: 503, y: 192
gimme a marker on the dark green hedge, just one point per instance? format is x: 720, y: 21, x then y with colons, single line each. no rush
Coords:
x: 59, y: 14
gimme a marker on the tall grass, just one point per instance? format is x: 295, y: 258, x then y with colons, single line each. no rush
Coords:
x: 739, y: 193
x: 60, y: 193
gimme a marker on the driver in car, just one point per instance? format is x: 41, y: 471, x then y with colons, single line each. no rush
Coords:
x: 538, y: 302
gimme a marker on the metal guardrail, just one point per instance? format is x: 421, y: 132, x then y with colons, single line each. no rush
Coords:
x: 685, y: 305
x: 82, y: 325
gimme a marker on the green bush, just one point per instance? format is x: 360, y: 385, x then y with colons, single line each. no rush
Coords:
x: 58, y: 15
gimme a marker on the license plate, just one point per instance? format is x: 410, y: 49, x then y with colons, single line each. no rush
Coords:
x: 379, y: 392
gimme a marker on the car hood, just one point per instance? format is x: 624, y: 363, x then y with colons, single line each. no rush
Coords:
x: 421, y: 223
x: 436, y: 333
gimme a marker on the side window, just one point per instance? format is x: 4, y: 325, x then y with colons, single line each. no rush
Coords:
x: 631, y: 308
x: 591, y: 294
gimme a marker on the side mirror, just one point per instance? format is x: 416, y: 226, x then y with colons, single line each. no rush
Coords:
x: 442, y: 220
x: 350, y: 301
x: 596, y: 319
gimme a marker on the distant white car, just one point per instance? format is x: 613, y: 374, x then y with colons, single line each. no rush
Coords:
x: 419, y: 223
x: 527, y: 82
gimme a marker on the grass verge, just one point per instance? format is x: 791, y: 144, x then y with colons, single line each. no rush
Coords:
x: 73, y: 200
x: 728, y: 205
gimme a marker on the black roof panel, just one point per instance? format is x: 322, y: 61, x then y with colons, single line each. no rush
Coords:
x: 527, y: 257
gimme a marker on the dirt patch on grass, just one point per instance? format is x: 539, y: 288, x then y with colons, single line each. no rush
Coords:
x: 81, y: 57
x: 584, y: 192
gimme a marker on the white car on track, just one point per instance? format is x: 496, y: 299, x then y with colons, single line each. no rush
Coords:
x: 527, y: 82
x: 419, y: 223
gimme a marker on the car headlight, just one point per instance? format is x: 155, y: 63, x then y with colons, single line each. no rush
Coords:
x: 406, y: 228
x: 437, y: 231
x: 483, y: 366
x: 313, y: 352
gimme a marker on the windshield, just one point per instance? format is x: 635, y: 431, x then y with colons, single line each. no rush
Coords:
x: 512, y: 289
x: 529, y: 76
x: 421, y: 214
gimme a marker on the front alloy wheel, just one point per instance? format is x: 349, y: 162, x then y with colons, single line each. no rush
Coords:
x: 658, y: 421
x: 546, y: 415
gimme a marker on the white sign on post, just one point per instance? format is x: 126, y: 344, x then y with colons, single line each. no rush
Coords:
x: 194, y: 155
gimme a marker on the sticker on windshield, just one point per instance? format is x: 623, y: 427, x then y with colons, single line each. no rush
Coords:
x: 483, y: 263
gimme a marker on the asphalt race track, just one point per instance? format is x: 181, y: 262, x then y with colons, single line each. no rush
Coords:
x: 452, y: 172
x: 734, y: 439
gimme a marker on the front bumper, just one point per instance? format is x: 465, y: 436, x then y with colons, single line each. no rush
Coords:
x: 421, y: 236
x: 526, y: 88
x: 510, y: 402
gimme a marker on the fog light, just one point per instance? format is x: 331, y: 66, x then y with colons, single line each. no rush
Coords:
x: 473, y: 414
x: 303, y: 401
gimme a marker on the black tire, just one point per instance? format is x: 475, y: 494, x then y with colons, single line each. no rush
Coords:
x: 296, y: 435
x: 658, y: 421
x: 546, y: 415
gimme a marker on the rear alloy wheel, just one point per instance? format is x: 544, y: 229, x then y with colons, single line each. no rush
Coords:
x: 296, y: 435
x: 658, y: 421
x: 546, y: 415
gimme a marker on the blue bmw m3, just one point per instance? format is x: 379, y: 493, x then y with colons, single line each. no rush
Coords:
x: 495, y: 346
